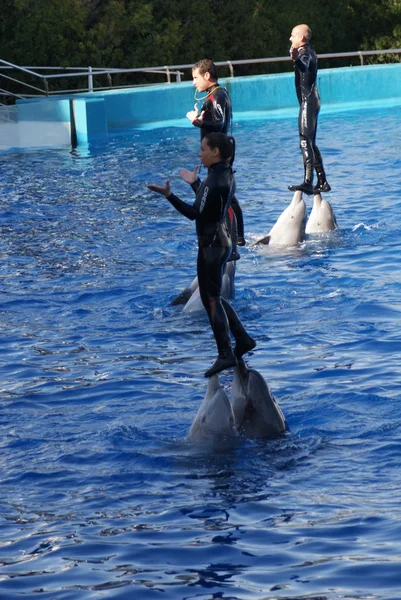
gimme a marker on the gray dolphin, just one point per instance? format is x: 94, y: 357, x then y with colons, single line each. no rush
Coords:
x: 185, y: 295
x: 322, y: 217
x: 289, y: 229
x: 191, y: 297
x: 256, y: 411
x: 215, y: 417
x: 194, y: 303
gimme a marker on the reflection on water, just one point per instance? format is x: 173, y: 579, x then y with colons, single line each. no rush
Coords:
x: 102, y: 496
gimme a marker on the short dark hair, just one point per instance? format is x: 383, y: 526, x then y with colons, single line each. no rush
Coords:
x: 206, y: 66
x: 225, y: 144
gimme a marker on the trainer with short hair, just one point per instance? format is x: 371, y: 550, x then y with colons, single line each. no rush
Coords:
x: 305, y: 62
x: 214, y: 117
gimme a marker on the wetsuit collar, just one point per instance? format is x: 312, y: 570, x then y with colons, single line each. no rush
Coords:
x: 219, y: 165
x: 211, y: 89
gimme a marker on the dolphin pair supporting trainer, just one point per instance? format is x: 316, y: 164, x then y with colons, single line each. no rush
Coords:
x: 292, y: 225
x: 252, y: 412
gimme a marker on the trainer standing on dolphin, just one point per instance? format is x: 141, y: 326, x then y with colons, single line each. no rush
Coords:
x: 213, y: 198
x: 215, y: 116
x: 305, y: 62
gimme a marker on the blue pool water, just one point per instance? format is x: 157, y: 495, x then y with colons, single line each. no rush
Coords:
x: 101, y: 494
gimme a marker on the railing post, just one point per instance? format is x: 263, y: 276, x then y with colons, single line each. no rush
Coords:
x: 361, y: 58
x: 90, y: 80
x: 230, y: 66
x: 168, y: 74
x: 46, y: 86
x: 178, y: 76
x: 109, y: 81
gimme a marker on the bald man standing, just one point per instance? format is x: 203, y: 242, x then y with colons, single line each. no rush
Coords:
x: 305, y: 63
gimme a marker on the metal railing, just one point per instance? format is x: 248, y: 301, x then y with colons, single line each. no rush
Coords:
x: 89, y: 73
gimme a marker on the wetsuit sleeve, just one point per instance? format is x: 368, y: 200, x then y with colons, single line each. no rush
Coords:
x: 303, y: 60
x: 190, y: 211
x: 195, y: 185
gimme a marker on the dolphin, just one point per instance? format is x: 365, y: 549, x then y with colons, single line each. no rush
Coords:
x: 185, y: 295
x: 322, y: 217
x: 215, y: 417
x: 194, y: 303
x: 256, y: 411
x: 190, y: 295
x: 252, y: 412
x: 289, y: 229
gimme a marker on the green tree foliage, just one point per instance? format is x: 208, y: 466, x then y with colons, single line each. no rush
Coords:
x: 141, y: 33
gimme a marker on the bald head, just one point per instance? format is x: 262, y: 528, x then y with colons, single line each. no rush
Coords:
x: 300, y: 35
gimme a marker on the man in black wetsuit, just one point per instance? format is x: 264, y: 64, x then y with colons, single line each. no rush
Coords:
x: 214, y: 117
x: 305, y: 62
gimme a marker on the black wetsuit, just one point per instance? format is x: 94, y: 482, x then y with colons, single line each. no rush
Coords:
x: 217, y: 111
x: 213, y: 198
x: 217, y: 118
x: 309, y: 101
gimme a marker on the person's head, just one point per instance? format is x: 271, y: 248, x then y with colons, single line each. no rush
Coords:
x: 300, y: 35
x: 204, y: 74
x: 217, y: 147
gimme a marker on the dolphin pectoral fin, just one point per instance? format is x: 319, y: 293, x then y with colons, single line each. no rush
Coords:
x: 265, y: 241
x: 186, y: 294
x: 182, y: 298
x: 263, y: 416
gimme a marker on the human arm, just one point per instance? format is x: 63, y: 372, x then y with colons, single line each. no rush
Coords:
x: 191, y: 177
x: 164, y: 190
x: 189, y: 211
x: 302, y: 58
x: 294, y: 53
x: 193, y: 114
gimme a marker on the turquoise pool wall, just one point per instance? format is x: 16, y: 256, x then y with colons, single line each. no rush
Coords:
x: 98, y: 114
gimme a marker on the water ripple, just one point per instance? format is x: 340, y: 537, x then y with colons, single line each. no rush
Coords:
x: 102, y: 496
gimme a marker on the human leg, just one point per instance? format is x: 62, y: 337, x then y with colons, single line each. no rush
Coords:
x: 244, y: 342
x: 307, y: 122
x: 211, y: 263
x: 322, y: 183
